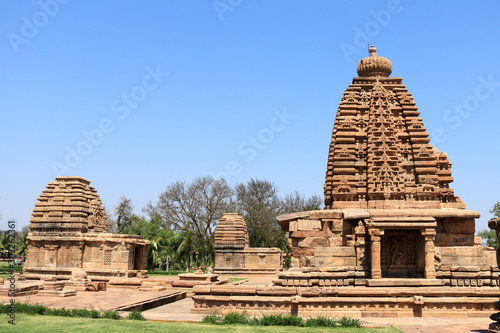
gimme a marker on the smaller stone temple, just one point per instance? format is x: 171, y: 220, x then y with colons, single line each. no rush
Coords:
x: 68, y: 231
x: 233, y: 256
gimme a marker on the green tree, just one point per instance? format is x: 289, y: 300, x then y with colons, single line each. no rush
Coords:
x: 5, y: 242
x: 489, y: 236
x: 296, y: 202
x: 259, y: 205
x: 496, y: 209
x: 194, y: 209
x: 22, y: 244
x: 124, y: 212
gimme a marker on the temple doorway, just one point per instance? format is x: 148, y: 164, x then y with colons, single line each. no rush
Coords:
x: 137, y: 257
x: 402, y: 254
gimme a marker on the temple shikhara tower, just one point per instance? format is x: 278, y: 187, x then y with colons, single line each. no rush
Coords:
x: 380, y: 156
x: 68, y: 231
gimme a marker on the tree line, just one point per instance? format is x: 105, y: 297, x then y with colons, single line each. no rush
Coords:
x: 489, y: 235
x: 180, y: 225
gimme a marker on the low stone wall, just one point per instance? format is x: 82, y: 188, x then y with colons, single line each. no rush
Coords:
x: 360, y: 301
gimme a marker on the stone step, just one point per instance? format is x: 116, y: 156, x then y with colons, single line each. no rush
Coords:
x: 153, y: 302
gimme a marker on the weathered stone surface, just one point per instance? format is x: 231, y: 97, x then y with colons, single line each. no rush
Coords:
x: 68, y: 230
x: 355, y: 214
x: 304, y: 234
x: 313, y: 242
x: 303, y: 225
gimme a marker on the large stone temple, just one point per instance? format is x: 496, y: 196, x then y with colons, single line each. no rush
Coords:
x: 68, y: 231
x: 393, y: 238
x: 389, y: 209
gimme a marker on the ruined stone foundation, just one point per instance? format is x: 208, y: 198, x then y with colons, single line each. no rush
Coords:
x: 68, y: 230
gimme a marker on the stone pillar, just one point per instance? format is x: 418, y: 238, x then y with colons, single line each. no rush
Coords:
x: 429, y: 235
x: 376, y: 271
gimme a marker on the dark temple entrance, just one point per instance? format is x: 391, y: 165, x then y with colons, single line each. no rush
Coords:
x: 402, y: 254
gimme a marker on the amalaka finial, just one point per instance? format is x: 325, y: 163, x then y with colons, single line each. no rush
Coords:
x: 374, y: 65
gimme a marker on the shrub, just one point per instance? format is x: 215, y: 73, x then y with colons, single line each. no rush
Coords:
x: 281, y: 320
x: 94, y: 314
x: 212, y: 318
x: 349, y: 322
x: 234, y: 318
x: 83, y: 313
x: 135, y: 315
x: 62, y: 312
x: 111, y: 315
x: 320, y: 322
x: 36, y: 309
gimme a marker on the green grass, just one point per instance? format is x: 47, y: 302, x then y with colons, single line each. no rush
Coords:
x: 160, y: 272
x: 27, y: 323
x: 231, y: 280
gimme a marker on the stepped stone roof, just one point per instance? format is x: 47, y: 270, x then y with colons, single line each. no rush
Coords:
x: 68, y: 205
x: 231, y: 231
x: 380, y: 148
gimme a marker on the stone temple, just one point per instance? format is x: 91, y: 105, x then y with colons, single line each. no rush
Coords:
x: 393, y: 238
x: 233, y: 256
x: 389, y: 209
x: 68, y: 231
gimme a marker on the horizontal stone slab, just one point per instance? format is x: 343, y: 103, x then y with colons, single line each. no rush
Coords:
x: 334, y: 251
x: 355, y: 214
x: 388, y: 282
x: 292, y: 216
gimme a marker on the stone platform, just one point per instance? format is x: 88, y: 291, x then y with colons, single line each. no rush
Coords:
x: 361, y: 301
x: 112, y: 299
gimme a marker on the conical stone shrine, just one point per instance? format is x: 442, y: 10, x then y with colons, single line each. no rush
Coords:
x: 68, y: 231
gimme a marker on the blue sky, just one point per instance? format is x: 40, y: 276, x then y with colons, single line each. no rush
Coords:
x: 134, y: 95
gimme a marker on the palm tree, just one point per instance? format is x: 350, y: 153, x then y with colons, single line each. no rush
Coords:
x: 184, y: 244
x: 5, y: 243
x: 22, y: 244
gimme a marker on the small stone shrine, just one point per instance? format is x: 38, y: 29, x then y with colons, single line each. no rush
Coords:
x: 68, y: 231
x: 233, y: 256
x: 393, y: 239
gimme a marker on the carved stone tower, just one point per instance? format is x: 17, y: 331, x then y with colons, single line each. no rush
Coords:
x: 68, y: 230
x: 380, y: 149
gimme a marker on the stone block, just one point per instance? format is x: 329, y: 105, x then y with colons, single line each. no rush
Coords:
x: 313, y: 242
x: 292, y: 216
x: 355, y: 214
x: 335, y: 252
x: 326, y: 214
x: 304, y: 234
x: 300, y: 252
x: 202, y: 289
x: 335, y: 241
x: 309, y: 292
x: 277, y: 291
x: 459, y: 226
x: 308, y: 225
